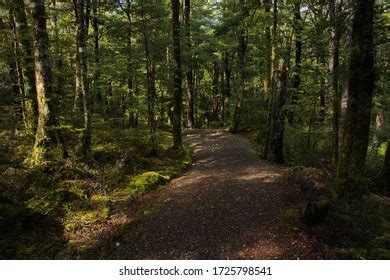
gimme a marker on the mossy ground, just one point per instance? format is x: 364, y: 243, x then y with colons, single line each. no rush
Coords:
x: 59, y: 209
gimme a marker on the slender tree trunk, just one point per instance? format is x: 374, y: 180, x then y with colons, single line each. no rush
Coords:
x: 279, y: 116
x: 348, y: 48
x: 226, y: 92
x: 47, y: 131
x: 334, y: 12
x: 178, y: 90
x: 96, y: 76
x: 23, y: 47
x: 215, y: 90
x: 151, y: 82
x: 133, y: 113
x: 242, y: 45
x: 271, y: 96
x: 189, y: 74
x: 298, y: 60
x: 82, y: 27
x: 268, y: 50
x: 361, y: 79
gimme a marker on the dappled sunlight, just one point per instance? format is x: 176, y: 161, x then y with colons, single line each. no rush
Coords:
x: 229, y: 205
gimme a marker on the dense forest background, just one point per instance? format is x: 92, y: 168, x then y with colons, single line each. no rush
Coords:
x: 94, y: 96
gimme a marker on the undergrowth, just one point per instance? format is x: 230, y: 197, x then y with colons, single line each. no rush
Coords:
x: 59, y: 209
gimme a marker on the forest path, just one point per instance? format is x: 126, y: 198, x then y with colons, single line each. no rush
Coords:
x: 228, y: 205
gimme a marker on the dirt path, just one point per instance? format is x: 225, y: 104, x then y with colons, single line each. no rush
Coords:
x: 229, y: 205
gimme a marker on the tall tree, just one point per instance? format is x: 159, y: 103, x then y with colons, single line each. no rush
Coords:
x: 189, y: 74
x: 96, y: 47
x: 278, y: 115
x: 272, y: 69
x: 23, y: 48
x: 334, y: 14
x: 82, y: 8
x: 298, y: 58
x: 151, y: 78
x: 47, y: 131
x: 242, y: 47
x: 361, y: 79
x: 177, y: 90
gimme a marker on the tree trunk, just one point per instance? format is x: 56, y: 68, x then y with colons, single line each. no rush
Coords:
x: 215, y: 90
x: 190, y: 82
x: 47, y: 120
x: 82, y: 27
x: 334, y: 13
x: 268, y: 50
x: 23, y: 46
x: 279, y: 116
x: 178, y: 90
x: 298, y: 61
x: 361, y: 79
x: 242, y: 45
x: 96, y: 76
x: 226, y: 88
x: 151, y: 82
x: 271, y: 96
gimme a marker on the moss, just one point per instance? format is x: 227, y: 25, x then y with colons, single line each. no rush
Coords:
x: 146, y: 182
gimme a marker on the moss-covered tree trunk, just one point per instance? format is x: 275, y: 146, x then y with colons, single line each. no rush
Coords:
x: 361, y: 79
x: 177, y: 79
x: 46, y: 115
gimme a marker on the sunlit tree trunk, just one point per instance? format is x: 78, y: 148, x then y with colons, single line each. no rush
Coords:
x: 178, y: 90
x: 82, y: 32
x: 361, y: 79
x: 47, y: 131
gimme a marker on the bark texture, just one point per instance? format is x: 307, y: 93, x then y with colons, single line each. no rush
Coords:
x: 361, y: 79
x: 177, y: 90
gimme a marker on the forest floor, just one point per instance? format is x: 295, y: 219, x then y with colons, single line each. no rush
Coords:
x: 229, y: 205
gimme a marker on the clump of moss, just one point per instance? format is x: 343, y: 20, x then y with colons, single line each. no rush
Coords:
x: 146, y: 182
